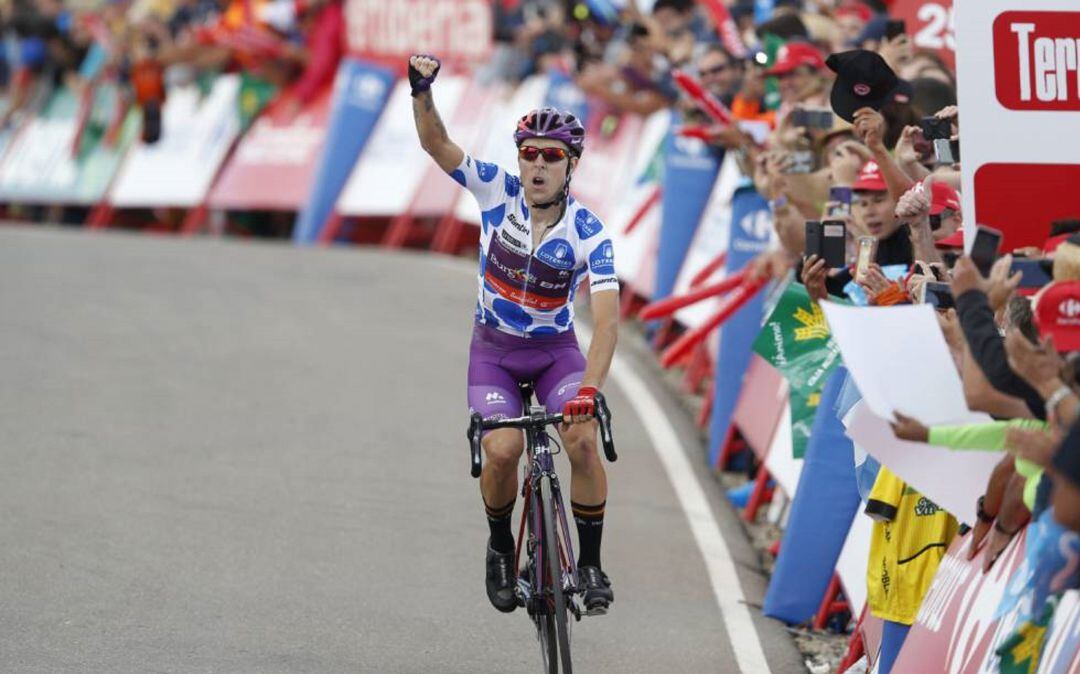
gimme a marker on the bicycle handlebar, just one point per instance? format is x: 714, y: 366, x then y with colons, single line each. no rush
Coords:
x: 477, y: 425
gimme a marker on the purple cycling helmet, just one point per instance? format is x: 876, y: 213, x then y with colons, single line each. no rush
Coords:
x: 554, y: 124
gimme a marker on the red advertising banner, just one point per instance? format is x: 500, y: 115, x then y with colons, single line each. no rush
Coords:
x: 930, y: 25
x: 956, y: 631
x: 1035, y: 60
x: 454, y: 30
x: 274, y: 165
x: 1022, y: 200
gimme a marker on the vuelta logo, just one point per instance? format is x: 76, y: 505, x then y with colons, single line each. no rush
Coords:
x: 1037, y: 60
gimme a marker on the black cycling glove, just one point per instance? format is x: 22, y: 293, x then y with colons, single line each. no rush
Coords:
x: 418, y: 82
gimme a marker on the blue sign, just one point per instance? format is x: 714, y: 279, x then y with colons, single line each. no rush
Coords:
x: 690, y: 169
x: 751, y: 225
x: 360, y: 93
x: 763, y: 10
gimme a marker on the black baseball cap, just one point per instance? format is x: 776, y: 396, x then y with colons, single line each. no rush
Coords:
x: 863, y: 80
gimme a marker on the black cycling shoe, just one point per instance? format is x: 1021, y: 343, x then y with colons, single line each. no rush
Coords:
x: 501, y: 581
x: 598, y: 595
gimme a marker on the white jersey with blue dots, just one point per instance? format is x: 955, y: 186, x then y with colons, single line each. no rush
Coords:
x: 523, y: 291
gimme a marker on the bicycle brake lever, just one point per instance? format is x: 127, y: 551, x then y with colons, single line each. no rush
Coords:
x: 603, y: 415
x: 473, y: 434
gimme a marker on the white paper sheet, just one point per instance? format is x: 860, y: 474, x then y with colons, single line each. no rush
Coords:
x: 900, y: 362
x: 953, y: 479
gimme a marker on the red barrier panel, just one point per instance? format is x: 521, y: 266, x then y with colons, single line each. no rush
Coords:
x: 669, y: 305
x: 728, y: 307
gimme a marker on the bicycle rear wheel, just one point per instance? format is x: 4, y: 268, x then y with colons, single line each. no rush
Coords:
x: 551, y: 546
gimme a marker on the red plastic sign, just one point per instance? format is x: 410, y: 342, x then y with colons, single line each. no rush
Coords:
x: 1036, y: 64
x: 930, y: 25
x: 453, y: 30
x: 1022, y: 200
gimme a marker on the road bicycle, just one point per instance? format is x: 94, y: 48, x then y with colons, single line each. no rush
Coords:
x: 547, y: 584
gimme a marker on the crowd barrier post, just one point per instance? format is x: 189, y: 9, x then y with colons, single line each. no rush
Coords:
x: 831, y: 604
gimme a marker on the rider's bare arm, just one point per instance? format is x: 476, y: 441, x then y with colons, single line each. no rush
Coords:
x: 429, y: 126
x: 605, y: 314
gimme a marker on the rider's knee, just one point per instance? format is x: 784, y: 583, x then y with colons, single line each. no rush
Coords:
x: 503, y: 449
x: 580, y: 443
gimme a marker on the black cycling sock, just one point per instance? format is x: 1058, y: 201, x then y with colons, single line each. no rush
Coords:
x: 502, y: 538
x: 590, y: 527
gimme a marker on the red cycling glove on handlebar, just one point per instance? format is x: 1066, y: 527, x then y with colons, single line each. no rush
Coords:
x: 583, y: 404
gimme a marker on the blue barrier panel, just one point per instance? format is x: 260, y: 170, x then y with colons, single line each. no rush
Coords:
x: 751, y: 225
x: 690, y: 170
x: 822, y: 509
x: 360, y: 93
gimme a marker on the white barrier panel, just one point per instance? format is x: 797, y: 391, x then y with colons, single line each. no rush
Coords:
x: 635, y: 253
x: 606, y: 166
x: 710, y: 240
x: 498, y: 145
x: 393, y: 164
x: 40, y: 165
x: 196, y: 135
x: 780, y: 460
x: 853, y: 560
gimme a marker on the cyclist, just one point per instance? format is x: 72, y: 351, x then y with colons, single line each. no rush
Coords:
x: 536, y: 244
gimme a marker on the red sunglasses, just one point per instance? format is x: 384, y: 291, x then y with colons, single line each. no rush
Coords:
x: 550, y: 154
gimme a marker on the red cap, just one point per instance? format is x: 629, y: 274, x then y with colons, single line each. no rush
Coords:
x: 954, y: 240
x: 795, y: 54
x: 943, y: 196
x: 856, y: 9
x: 1053, y: 242
x: 870, y: 179
x: 1057, y: 314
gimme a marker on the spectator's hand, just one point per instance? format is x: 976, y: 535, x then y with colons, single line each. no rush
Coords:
x: 950, y: 328
x: 897, y: 51
x: 1035, y: 364
x: 914, y: 205
x: 912, y: 430
x: 1035, y: 446
x: 730, y: 137
x: 1029, y: 252
x: 848, y: 159
x: 870, y: 128
x: 1001, y: 285
x: 769, y: 265
x: 966, y: 276
x: 813, y: 277
x: 951, y: 113
x: 905, y: 147
x: 874, y: 282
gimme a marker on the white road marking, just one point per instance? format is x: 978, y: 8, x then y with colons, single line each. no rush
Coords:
x: 738, y: 622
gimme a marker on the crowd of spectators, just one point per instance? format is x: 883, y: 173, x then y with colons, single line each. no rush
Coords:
x: 287, y: 46
x: 864, y: 131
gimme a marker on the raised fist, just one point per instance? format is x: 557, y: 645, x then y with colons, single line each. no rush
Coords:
x: 423, y: 70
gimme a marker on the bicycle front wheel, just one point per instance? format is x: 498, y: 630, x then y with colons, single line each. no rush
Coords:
x: 551, y: 545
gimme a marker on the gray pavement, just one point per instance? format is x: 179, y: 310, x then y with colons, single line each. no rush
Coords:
x: 236, y: 457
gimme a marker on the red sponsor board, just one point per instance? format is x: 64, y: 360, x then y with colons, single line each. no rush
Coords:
x: 1036, y: 64
x: 391, y: 30
x: 930, y: 25
x: 760, y: 407
x: 274, y: 165
x: 956, y: 630
x: 1022, y: 200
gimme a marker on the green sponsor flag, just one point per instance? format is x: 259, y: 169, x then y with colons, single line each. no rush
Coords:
x: 797, y: 342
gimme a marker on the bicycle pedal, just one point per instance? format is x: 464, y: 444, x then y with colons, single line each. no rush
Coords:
x: 597, y: 609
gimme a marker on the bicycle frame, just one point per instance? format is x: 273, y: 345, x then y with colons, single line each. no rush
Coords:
x: 540, y: 463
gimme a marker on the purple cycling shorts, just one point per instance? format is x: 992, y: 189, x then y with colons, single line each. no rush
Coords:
x: 498, y: 362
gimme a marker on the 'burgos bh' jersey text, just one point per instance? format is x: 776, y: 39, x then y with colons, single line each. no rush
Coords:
x: 525, y: 292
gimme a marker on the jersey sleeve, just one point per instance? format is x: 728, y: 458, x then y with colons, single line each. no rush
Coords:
x: 488, y: 183
x: 597, y: 251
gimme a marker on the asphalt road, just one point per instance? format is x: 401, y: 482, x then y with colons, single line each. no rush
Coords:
x: 234, y: 457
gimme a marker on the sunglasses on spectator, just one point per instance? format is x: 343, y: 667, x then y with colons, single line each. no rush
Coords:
x: 551, y: 155
x: 716, y: 70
